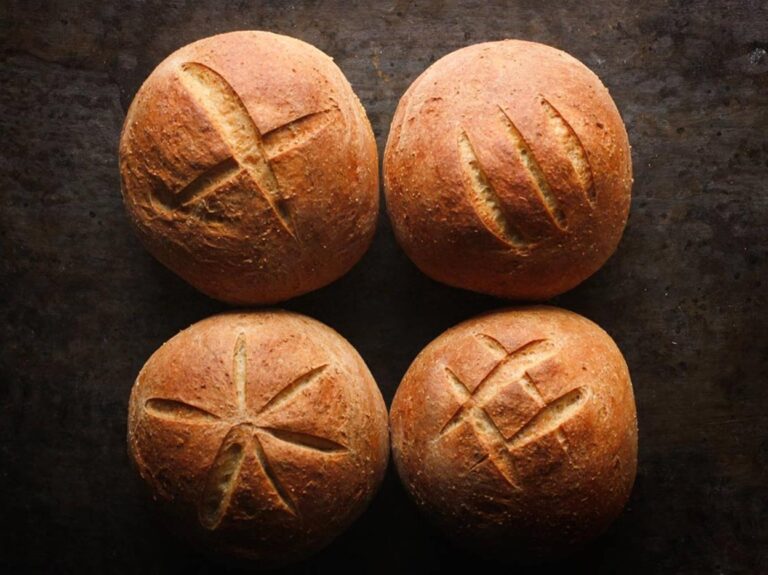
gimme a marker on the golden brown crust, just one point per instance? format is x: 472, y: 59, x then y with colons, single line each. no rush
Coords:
x: 507, y: 171
x: 516, y: 431
x: 249, y: 167
x: 261, y: 434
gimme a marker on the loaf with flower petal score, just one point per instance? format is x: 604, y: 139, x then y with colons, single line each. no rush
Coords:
x: 260, y: 435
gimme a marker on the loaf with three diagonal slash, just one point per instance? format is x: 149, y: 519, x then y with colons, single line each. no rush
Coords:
x: 507, y: 171
x: 261, y: 435
x: 516, y: 432
x: 249, y: 167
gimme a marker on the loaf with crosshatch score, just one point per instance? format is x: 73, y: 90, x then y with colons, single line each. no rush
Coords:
x: 249, y: 167
x: 516, y: 432
x: 507, y: 171
x: 261, y: 435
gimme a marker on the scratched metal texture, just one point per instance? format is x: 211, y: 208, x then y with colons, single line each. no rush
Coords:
x: 83, y: 305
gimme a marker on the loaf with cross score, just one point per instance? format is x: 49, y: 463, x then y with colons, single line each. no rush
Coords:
x: 260, y: 435
x: 507, y: 171
x: 516, y: 433
x: 249, y: 167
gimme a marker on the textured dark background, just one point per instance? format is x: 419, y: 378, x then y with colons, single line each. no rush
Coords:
x: 82, y: 305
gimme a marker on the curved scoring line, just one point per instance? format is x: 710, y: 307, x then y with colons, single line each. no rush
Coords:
x: 240, y: 371
x: 535, y: 172
x: 305, y: 440
x: 484, y: 199
x: 293, y: 388
x: 574, y: 149
x: 550, y: 417
x: 281, y: 491
x: 175, y: 410
x: 221, y: 479
x: 295, y: 133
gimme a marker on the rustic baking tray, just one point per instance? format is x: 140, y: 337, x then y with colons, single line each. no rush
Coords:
x: 83, y: 304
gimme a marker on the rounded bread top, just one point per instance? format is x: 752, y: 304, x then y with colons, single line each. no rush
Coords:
x: 518, y: 428
x: 246, y: 162
x: 263, y: 433
x: 508, y: 170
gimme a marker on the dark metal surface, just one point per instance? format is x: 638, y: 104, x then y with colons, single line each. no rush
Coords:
x: 83, y: 305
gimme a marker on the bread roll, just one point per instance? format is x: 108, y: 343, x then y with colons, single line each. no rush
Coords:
x: 507, y: 171
x: 249, y: 167
x: 516, y: 432
x: 261, y: 435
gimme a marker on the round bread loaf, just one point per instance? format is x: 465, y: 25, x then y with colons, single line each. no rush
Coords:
x: 516, y: 432
x: 249, y: 167
x: 262, y: 435
x: 507, y: 171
